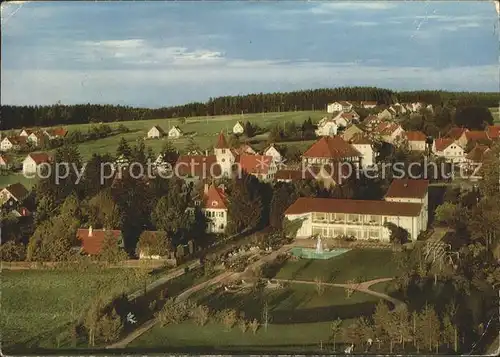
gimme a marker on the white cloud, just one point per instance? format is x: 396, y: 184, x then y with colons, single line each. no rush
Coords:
x: 139, y: 51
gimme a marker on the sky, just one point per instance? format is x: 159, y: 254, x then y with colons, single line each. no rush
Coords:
x: 155, y: 54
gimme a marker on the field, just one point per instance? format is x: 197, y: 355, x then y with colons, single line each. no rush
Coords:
x: 203, y: 130
x: 359, y: 265
x: 36, y: 304
x: 299, y: 321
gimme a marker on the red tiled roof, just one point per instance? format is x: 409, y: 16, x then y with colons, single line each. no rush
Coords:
x: 4, y: 159
x: 221, y: 142
x: 369, y: 103
x: 93, y: 245
x: 39, y: 157
x: 198, y: 165
x: 415, y: 136
x: 57, y: 131
x: 493, y: 131
x: 17, y: 140
x: 333, y: 147
x: 244, y: 149
x: 443, y: 143
x: 476, y: 135
x: 477, y: 153
x: 456, y: 133
x: 255, y: 164
x: 332, y: 205
x: 17, y: 190
x: 385, y: 128
x: 215, y: 198
x: 408, y: 188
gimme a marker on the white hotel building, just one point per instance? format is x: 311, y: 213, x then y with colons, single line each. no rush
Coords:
x: 405, y: 205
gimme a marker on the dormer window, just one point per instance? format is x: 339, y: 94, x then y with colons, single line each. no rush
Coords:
x: 197, y: 202
x: 214, y: 203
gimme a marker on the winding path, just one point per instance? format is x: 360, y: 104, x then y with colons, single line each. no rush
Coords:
x: 363, y: 287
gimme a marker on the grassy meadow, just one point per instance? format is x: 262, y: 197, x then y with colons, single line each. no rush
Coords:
x: 299, y: 321
x: 37, y: 304
x: 357, y: 264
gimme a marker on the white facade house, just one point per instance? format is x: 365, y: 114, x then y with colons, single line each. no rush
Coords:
x: 273, y: 152
x: 405, y: 205
x: 339, y: 106
x: 385, y: 114
x: 155, y: 132
x: 369, y: 105
x: 175, y: 132
x: 327, y: 127
x: 364, y: 146
x: 363, y: 220
x: 33, y: 161
x: 416, y: 140
x: 448, y: 149
x: 12, y: 143
x: 25, y: 132
x: 238, y: 128
x: 214, y: 208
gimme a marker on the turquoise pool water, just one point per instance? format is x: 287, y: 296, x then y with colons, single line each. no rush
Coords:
x: 309, y: 253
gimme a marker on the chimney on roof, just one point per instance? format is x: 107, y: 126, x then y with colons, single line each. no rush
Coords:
x: 206, y: 152
x: 406, y: 184
x: 205, y: 189
x: 90, y: 231
x: 222, y: 188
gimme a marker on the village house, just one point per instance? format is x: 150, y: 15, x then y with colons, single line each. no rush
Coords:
x: 339, y: 106
x: 272, y: 151
x: 5, y: 162
x: 416, y: 140
x: 473, y: 137
x: 260, y: 166
x: 369, y: 104
x: 331, y: 149
x: 371, y: 122
x: 12, y: 143
x: 214, y: 207
x: 55, y: 133
x: 350, y: 131
x: 360, y: 219
x: 475, y: 157
x: 238, y: 128
x: 411, y: 191
x: 386, y: 114
x: 343, y: 119
x: 448, y: 149
x: 365, y: 146
x: 155, y: 132
x: 327, y: 127
x: 92, y: 239
x: 25, y: 132
x: 416, y: 106
x: 33, y: 161
x: 389, y: 132
x: 175, y: 132
x: 13, y: 195
x: 37, y: 138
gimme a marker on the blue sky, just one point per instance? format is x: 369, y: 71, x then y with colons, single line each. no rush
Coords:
x: 164, y: 53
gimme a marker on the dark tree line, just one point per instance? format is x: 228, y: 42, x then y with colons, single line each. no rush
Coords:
x: 316, y: 99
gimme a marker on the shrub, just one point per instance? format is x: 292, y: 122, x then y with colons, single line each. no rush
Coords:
x: 228, y: 318
x: 175, y: 313
x: 109, y: 327
x: 243, y: 325
x: 201, y: 315
x: 254, y: 326
x: 122, y: 129
x: 12, y: 252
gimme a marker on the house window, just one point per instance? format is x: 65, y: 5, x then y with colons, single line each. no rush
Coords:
x: 214, y: 203
x: 223, y: 151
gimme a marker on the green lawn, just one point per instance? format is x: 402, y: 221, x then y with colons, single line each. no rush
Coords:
x: 11, y: 178
x: 299, y: 321
x: 36, y: 304
x: 358, y: 264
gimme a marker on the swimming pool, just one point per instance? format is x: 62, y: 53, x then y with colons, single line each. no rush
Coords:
x: 309, y: 253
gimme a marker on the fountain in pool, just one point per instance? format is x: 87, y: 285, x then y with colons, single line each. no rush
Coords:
x: 318, y: 252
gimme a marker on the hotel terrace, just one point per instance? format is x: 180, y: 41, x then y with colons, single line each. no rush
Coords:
x: 405, y: 206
